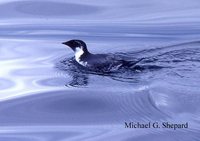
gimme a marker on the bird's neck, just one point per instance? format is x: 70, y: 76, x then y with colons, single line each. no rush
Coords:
x: 80, y: 53
x: 79, y: 56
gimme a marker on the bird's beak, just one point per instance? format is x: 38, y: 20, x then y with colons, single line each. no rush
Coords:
x: 65, y: 43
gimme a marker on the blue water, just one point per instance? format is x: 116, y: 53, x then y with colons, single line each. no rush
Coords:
x: 45, y: 96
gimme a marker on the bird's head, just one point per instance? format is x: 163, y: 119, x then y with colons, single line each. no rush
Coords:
x: 76, y: 45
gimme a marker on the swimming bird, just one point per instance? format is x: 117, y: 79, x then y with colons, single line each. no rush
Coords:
x: 96, y: 61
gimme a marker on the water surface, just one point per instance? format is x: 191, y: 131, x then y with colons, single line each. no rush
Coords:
x: 46, y: 96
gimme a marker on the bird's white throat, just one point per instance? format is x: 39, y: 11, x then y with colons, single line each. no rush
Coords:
x: 78, y: 53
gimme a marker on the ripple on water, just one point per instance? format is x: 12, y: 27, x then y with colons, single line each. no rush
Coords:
x: 38, y: 133
x: 44, y: 9
x: 6, y: 84
x: 79, y: 107
x: 168, y: 136
x: 175, y: 100
x: 55, y: 81
x: 51, y: 132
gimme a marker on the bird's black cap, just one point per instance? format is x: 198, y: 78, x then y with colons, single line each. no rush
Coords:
x: 75, y: 43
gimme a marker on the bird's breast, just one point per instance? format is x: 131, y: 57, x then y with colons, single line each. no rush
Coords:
x: 83, y: 63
